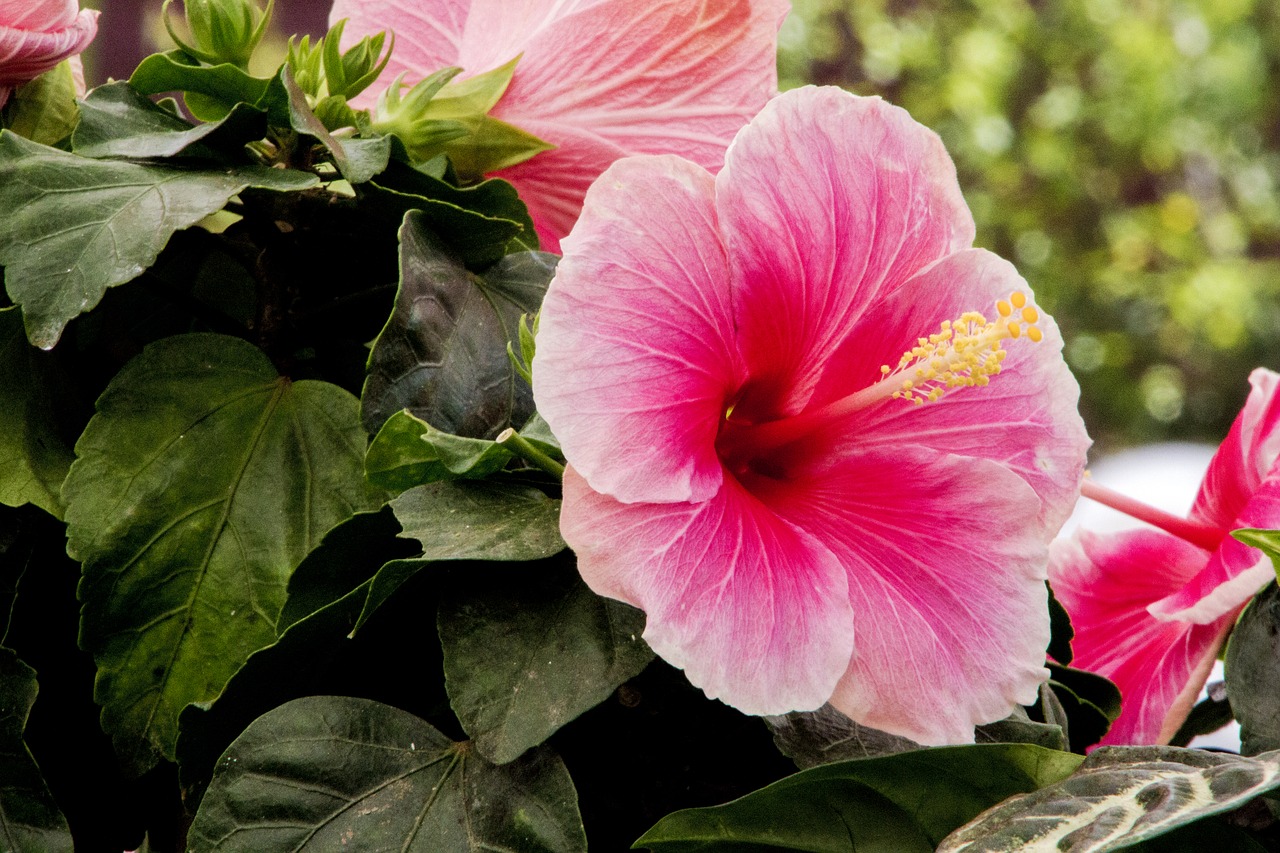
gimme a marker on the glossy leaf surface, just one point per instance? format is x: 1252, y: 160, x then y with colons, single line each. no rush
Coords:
x: 201, y: 482
x: 320, y: 773
x: 76, y: 226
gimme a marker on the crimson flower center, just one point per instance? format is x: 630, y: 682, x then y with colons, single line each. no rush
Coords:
x: 965, y: 352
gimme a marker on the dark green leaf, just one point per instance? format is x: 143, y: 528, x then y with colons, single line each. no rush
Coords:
x: 1089, y: 702
x: 824, y: 736
x: 1253, y: 672
x: 899, y: 803
x: 349, y: 555
x: 1089, y: 687
x: 811, y: 738
x: 1019, y: 728
x: 467, y: 521
x: 408, y: 452
x: 222, y: 86
x: 307, y: 659
x: 1118, y: 797
x: 526, y: 652
x: 464, y: 520
x: 1206, y: 717
x: 1060, y: 631
x: 76, y: 226
x: 201, y: 482
x: 443, y: 352
x: 481, y: 222
x: 44, y: 110
x: 322, y: 772
x: 33, y: 459
x: 118, y: 121
x: 29, y: 818
x: 357, y: 159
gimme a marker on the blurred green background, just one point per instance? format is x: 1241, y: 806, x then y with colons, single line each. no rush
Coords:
x: 1125, y: 154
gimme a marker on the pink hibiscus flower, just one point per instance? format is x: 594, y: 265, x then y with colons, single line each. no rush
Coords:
x: 598, y: 79
x: 751, y: 459
x: 35, y: 35
x: 1151, y: 608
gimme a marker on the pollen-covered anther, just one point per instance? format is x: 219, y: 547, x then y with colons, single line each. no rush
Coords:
x: 964, y: 352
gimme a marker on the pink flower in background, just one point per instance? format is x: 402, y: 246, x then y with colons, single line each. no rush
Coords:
x: 751, y: 460
x: 1151, y: 608
x: 35, y: 35
x: 599, y: 79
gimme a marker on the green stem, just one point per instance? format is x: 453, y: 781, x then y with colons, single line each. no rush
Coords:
x: 526, y: 450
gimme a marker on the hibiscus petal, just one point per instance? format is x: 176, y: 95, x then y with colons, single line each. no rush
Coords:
x: 1247, y: 455
x: 1235, y: 572
x: 666, y: 76
x: 41, y: 15
x: 1024, y: 419
x: 828, y: 202
x: 635, y: 347
x: 946, y: 570
x: 753, y: 610
x: 428, y: 36
x: 1106, y: 584
x: 554, y: 183
x: 26, y: 54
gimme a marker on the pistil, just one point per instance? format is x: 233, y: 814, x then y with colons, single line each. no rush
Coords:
x: 964, y: 352
x: 1201, y: 535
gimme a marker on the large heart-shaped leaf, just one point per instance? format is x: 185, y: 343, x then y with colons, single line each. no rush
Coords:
x: 900, y: 803
x: 202, y: 480
x: 33, y: 459
x: 325, y: 772
x: 1253, y: 672
x: 443, y: 352
x: 75, y: 226
x: 526, y: 652
x: 29, y: 818
x: 118, y: 121
x: 1119, y: 797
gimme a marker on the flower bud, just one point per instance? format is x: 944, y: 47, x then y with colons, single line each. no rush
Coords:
x: 440, y: 116
x: 222, y: 31
x: 348, y: 74
x: 306, y: 61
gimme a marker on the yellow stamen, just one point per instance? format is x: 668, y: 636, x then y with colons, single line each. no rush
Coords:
x: 964, y: 353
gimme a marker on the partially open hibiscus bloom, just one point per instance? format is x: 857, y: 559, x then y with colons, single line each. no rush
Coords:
x: 598, y: 79
x: 35, y: 35
x: 791, y: 441
x: 1152, y: 607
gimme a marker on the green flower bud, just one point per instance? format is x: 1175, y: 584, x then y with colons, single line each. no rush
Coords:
x: 222, y: 31
x: 406, y: 115
x: 306, y: 61
x: 348, y: 74
x: 439, y: 116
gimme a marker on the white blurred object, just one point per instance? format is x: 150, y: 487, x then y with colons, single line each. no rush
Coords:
x: 1165, y: 476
